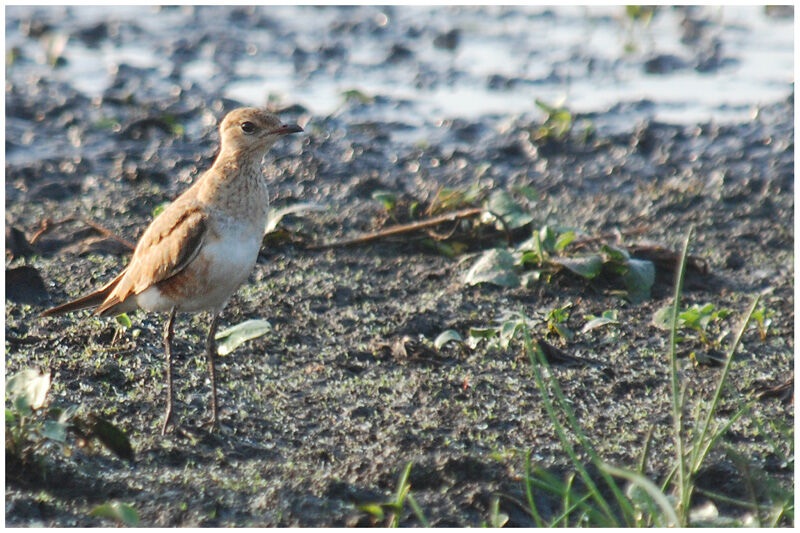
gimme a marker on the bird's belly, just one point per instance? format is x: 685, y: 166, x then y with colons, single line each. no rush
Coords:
x: 209, y: 280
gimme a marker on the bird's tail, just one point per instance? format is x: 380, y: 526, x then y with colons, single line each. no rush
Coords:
x: 88, y: 301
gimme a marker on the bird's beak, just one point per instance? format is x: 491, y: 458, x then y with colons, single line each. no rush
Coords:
x: 286, y: 129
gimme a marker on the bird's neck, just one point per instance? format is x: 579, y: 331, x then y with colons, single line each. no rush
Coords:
x: 236, y: 185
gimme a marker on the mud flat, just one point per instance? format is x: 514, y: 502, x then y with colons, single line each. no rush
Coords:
x: 110, y: 115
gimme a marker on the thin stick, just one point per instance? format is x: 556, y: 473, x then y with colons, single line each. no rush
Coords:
x: 47, y: 225
x: 400, y: 229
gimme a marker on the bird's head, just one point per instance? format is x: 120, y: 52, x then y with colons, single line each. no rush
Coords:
x: 252, y: 131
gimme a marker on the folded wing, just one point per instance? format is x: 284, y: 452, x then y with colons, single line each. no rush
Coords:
x: 170, y: 243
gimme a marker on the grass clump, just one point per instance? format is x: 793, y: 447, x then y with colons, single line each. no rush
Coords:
x: 32, y: 429
x: 392, y: 510
x: 604, y: 502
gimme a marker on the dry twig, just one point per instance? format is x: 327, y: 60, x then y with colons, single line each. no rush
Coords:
x: 47, y: 225
x: 401, y: 229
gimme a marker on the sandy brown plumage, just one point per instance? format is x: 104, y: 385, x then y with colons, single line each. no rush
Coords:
x: 201, y: 248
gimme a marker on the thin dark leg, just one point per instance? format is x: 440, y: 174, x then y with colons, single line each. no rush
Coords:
x: 211, y: 348
x: 168, y: 352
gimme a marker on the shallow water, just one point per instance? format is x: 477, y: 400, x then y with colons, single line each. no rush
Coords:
x: 502, y: 60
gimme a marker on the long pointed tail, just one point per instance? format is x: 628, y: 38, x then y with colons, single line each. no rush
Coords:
x: 88, y: 301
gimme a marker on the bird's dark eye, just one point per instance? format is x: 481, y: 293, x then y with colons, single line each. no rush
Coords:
x: 248, y: 127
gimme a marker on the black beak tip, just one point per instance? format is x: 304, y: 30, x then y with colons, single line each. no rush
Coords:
x: 291, y: 128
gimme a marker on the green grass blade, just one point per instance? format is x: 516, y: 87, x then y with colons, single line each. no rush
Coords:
x: 706, y: 448
x: 529, y: 492
x: 622, y: 500
x: 402, y: 485
x: 581, y: 503
x: 562, y: 436
x: 651, y: 490
x: 645, y: 451
x: 697, y: 458
x: 677, y: 403
x: 567, y: 494
x: 417, y: 510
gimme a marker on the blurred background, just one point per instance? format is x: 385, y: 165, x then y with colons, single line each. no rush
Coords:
x: 418, y: 65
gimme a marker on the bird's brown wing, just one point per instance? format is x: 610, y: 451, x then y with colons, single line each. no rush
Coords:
x: 170, y: 243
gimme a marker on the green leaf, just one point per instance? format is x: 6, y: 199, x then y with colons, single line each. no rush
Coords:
x: 723, y: 313
x: 527, y: 191
x: 598, y: 322
x: 55, y: 431
x: 482, y: 333
x: 472, y: 193
x: 274, y: 216
x: 157, y: 210
x: 121, y: 512
x: 232, y: 337
x: 447, y: 336
x: 559, y: 314
x: 356, y: 95
x: 446, y: 199
x: 375, y: 509
x: 123, y: 320
x: 501, y: 204
x: 112, y: 438
x: 22, y: 406
x: 476, y: 335
x: 547, y: 108
x: 533, y: 245
x: 556, y: 321
x: 639, y: 279
x: 507, y: 331
x: 562, y: 330
x: 563, y: 240
x: 412, y: 209
x: 529, y: 278
x: 11, y: 418
x: 497, y: 519
x: 557, y: 124
x: 387, y: 198
x: 690, y: 317
x: 588, y: 266
x: 495, y: 266
x: 530, y: 258
x: 616, y: 254
x: 175, y: 127
x: 108, y: 124
x: 30, y: 386
x: 547, y: 238
x: 662, y: 319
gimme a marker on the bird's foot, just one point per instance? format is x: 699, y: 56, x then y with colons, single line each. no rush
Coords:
x: 167, y: 420
x: 210, y: 424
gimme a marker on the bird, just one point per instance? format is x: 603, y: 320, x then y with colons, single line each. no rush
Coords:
x: 200, y: 249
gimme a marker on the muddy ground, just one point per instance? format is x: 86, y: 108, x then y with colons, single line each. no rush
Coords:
x: 317, y: 416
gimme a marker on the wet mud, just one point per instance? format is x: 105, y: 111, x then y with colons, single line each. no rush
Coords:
x: 322, y: 413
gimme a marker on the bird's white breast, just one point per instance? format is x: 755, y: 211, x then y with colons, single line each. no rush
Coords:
x: 223, y: 263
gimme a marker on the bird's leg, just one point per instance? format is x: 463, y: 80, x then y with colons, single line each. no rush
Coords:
x: 168, y: 353
x: 211, y: 347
